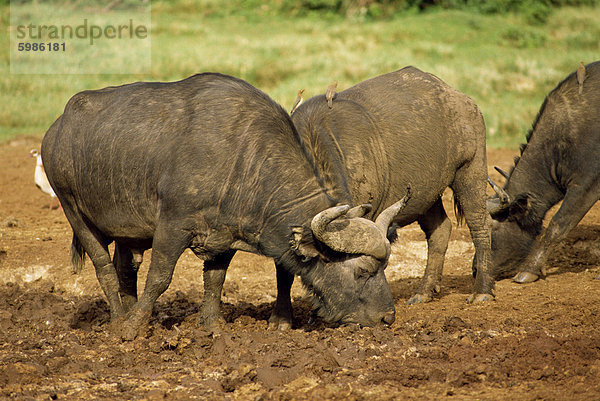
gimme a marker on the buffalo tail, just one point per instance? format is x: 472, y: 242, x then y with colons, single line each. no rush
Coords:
x: 458, y: 211
x: 77, y: 255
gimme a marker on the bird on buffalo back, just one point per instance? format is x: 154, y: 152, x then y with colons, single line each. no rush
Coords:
x: 298, y: 101
x: 580, y: 76
x: 330, y: 93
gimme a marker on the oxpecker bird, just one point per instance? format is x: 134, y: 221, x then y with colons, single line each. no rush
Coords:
x: 39, y: 176
x: 580, y: 76
x: 298, y: 101
x: 330, y: 94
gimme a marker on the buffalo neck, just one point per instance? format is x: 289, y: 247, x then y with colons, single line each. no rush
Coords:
x: 291, y: 204
x: 274, y: 185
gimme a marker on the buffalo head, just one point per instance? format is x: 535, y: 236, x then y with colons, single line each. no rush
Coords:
x: 515, y: 227
x: 348, y: 254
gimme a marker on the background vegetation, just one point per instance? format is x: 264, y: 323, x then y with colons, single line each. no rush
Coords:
x: 505, y: 54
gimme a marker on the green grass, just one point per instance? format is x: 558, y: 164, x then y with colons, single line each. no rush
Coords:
x: 504, y: 64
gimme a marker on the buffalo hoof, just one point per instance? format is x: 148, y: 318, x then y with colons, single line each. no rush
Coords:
x: 210, y: 323
x: 419, y: 299
x: 132, y: 325
x: 130, y: 332
x: 279, y: 323
x: 479, y: 298
x: 127, y: 330
x: 525, y: 277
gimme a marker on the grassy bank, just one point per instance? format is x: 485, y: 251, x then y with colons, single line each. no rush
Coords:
x: 504, y: 64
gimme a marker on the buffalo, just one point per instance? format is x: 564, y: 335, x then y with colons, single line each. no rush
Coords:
x: 560, y: 161
x: 212, y: 164
x: 403, y: 128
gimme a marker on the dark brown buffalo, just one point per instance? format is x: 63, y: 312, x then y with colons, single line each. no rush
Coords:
x: 561, y: 161
x: 407, y: 128
x: 212, y: 164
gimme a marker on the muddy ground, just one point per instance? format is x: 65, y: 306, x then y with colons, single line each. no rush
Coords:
x: 534, y: 342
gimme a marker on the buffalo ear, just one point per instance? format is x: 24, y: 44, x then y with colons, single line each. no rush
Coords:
x: 519, y: 208
x: 301, y: 242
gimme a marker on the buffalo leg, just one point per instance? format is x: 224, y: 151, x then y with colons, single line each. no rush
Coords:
x: 282, y: 315
x: 127, y: 269
x: 437, y: 227
x: 214, y: 277
x: 168, y: 244
x: 469, y: 186
x: 578, y: 200
x: 97, y: 249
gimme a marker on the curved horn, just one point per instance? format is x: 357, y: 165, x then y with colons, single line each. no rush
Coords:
x: 320, y: 221
x: 384, y: 220
x: 504, y: 197
x: 359, y: 211
x: 493, y: 205
x: 502, y: 172
x: 349, y: 235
